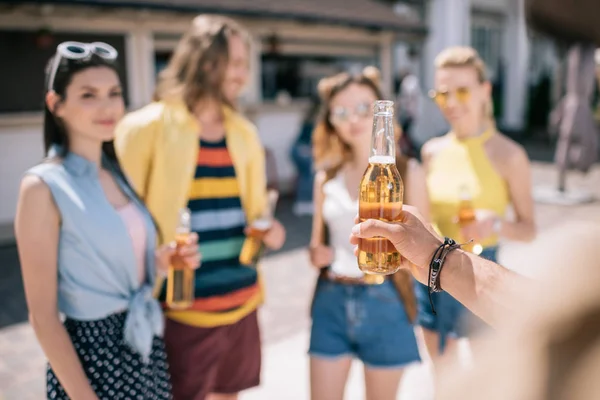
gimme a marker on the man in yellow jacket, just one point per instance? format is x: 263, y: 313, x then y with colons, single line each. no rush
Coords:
x: 190, y: 148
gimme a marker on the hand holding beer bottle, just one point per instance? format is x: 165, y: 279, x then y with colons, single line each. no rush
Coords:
x: 253, y: 244
x: 381, y: 194
x: 180, y: 281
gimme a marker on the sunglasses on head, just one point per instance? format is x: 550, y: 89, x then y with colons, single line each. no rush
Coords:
x: 80, y: 51
x: 343, y: 114
x: 441, y: 97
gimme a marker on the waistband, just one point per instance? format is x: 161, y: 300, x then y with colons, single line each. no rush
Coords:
x: 364, y: 280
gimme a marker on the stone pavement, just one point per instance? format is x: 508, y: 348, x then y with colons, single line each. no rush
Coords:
x: 284, y: 317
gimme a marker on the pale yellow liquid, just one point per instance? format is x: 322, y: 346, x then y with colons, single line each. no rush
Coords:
x: 180, y: 282
x: 381, y: 196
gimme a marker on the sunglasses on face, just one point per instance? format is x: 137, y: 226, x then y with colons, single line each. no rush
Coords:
x: 342, y: 114
x: 80, y: 51
x: 441, y: 97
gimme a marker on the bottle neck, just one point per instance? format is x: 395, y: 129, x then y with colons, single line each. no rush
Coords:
x: 383, y: 141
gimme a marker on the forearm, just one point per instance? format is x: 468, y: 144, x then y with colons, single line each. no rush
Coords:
x: 522, y: 231
x: 62, y: 357
x: 487, y: 289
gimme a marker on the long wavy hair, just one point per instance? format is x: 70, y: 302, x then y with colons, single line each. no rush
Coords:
x: 197, y: 68
x: 330, y: 152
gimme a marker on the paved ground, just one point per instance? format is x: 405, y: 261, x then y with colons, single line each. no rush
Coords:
x: 284, y: 317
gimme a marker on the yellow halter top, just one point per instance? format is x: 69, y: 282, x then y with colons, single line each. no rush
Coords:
x: 463, y: 163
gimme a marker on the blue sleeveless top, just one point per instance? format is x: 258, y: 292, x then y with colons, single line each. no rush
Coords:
x: 97, y: 273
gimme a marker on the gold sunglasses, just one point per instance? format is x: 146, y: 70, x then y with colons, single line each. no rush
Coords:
x: 342, y: 114
x: 441, y: 97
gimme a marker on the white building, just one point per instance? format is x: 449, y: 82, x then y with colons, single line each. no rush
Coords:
x: 295, y: 44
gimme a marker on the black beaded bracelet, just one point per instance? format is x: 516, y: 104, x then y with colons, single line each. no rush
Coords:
x: 436, y: 265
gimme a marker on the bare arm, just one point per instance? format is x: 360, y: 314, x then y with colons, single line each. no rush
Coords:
x: 519, y: 186
x: 320, y: 255
x: 37, y: 230
x: 316, y: 236
x: 489, y: 290
x: 484, y: 287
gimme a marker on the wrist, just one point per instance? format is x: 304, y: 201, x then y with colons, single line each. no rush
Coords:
x: 450, y: 274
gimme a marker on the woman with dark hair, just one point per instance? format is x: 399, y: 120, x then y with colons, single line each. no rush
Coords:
x: 87, y: 243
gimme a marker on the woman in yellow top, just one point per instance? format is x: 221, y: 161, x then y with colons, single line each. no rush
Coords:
x: 191, y: 148
x: 473, y: 166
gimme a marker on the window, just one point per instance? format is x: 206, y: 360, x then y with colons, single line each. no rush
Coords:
x: 24, y: 60
x: 298, y: 75
x: 487, y: 40
x: 295, y: 66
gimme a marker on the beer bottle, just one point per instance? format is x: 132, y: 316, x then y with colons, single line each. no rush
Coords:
x: 180, y: 282
x: 253, y: 244
x: 381, y: 194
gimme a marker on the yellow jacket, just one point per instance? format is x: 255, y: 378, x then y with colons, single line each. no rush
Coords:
x: 158, y: 148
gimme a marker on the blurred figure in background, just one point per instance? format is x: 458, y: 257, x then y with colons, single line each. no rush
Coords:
x: 191, y: 148
x: 303, y: 159
x: 472, y: 170
x: 355, y: 315
x: 407, y: 106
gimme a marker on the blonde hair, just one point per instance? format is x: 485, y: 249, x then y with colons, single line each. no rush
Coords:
x: 329, y: 151
x: 465, y: 56
x: 197, y: 67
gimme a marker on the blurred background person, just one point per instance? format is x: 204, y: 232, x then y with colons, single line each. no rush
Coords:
x: 473, y: 171
x: 355, y: 315
x: 407, y: 109
x: 191, y: 148
x: 303, y: 160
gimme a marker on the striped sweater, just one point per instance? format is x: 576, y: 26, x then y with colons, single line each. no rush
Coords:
x: 225, y: 291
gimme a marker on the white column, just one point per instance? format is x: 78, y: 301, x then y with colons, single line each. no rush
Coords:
x: 253, y: 92
x: 516, y: 56
x: 386, y: 60
x: 449, y: 24
x: 139, y: 46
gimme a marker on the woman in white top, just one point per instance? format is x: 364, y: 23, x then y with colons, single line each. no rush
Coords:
x: 355, y: 315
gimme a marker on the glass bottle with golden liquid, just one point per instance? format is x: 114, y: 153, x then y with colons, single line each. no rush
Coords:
x: 180, y: 282
x: 466, y: 216
x: 381, y: 194
x: 253, y: 244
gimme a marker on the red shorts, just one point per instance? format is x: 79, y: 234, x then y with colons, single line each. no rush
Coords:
x: 223, y: 359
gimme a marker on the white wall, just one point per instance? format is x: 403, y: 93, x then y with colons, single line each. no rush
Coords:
x: 20, y: 149
x: 278, y: 129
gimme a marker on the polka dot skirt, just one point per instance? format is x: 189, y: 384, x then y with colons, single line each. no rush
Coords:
x: 113, y: 369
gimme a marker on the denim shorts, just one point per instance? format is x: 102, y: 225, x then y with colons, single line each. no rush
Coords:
x: 452, y: 319
x: 364, y: 321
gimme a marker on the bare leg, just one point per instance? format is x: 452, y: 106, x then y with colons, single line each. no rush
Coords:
x: 328, y: 378
x: 382, y: 383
